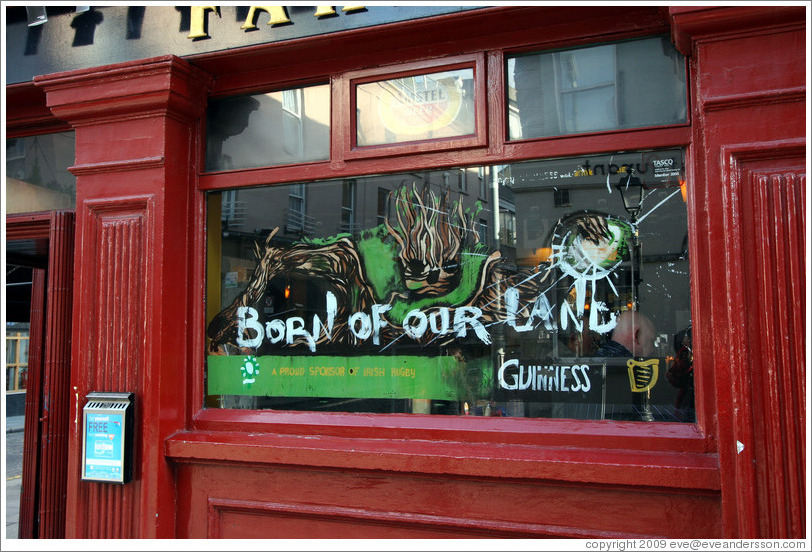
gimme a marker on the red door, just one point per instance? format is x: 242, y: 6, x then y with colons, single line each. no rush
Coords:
x: 44, y: 242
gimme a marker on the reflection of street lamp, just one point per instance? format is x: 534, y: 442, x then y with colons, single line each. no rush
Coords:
x: 631, y: 192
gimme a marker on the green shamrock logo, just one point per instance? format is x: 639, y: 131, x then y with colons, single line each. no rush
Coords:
x: 249, y: 369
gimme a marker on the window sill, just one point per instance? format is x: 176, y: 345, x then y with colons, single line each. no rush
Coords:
x: 613, y: 453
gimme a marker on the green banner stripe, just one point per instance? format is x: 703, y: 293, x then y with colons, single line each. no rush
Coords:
x: 367, y: 377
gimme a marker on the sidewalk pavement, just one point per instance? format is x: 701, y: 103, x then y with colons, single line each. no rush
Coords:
x: 13, y: 488
x: 15, y: 424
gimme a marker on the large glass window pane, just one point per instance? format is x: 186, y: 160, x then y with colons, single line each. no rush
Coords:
x: 37, y: 177
x: 288, y: 126
x: 543, y: 297
x: 613, y: 86
x: 420, y: 107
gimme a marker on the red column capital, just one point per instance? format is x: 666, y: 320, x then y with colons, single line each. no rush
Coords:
x: 166, y: 85
x: 692, y: 23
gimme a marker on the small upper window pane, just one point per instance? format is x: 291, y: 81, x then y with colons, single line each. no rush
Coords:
x: 614, y: 86
x: 288, y: 126
x: 419, y: 107
x: 37, y: 177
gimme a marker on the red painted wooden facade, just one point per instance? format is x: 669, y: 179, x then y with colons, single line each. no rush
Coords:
x: 139, y: 290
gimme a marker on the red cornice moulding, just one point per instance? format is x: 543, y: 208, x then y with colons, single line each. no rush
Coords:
x: 692, y: 23
x: 150, y: 87
x: 27, y: 114
x: 751, y: 99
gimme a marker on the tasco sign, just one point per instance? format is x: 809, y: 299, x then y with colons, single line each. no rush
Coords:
x: 60, y: 38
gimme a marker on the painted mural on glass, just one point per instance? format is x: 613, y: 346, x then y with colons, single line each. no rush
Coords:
x: 457, y: 291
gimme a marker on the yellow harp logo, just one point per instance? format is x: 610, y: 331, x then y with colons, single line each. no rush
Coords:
x: 643, y: 374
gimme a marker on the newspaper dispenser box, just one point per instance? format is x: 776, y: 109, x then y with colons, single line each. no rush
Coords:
x: 107, y: 443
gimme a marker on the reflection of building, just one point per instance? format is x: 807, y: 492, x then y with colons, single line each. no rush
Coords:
x: 238, y: 137
x: 590, y: 88
x: 16, y: 367
x: 36, y: 175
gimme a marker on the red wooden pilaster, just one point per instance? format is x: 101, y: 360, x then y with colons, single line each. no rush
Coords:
x: 136, y: 150
x: 749, y: 192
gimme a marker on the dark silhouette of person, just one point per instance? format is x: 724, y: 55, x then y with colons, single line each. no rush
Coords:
x: 680, y: 374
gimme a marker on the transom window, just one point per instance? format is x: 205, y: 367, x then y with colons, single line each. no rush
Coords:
x: 628, y: 84
x: 260, y: 130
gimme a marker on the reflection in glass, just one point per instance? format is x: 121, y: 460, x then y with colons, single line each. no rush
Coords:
x: 614, y: 86
x: 288, y: 126
x: 17, y: 335
x: 37, y: 177
x: 404, y: 293
x: 420, y: 107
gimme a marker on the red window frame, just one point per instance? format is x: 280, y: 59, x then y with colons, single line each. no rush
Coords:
x: 626, y: 452
x: 351, y: 80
